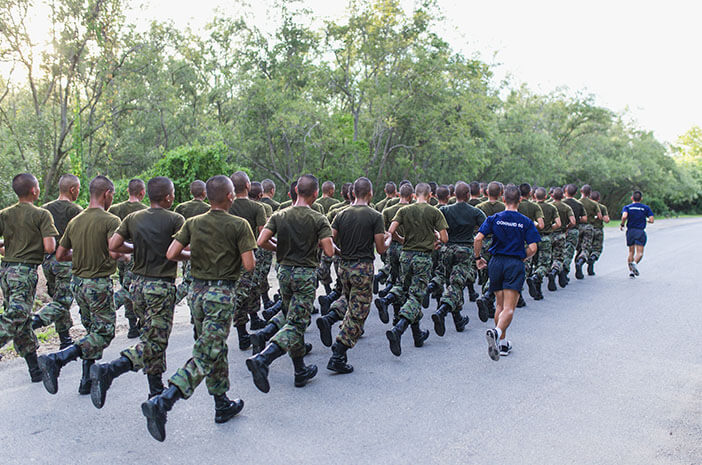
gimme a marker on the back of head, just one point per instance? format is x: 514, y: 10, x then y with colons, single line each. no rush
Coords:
x: 595, y: 196
x: 198, y: 189
x: 474, y: 189
x: 390, y: 188
x: 23, y: 184
x: 586, y: 190
x: 307, y: 185
x: 99, y: 185
x: 433, y: 187
x: 525, y: 190
x: 256, y: 190
x: 512, y: 195
x: 218, y: 188
x: 362, y: 188
x: 483, y: 188
x: 540, y: 193
x: 240, y: 181
x: 494, y: 189
x: 443, y: 193
x: 637, y: 196
x: 346, y: 190
x: 292, y: 191
x: 452, y: 189
x: 571, y: 190
x: 406, y: 191
x: 136, y: 187
x: 268, y: 186
x: 158, y: 189
x: 68, y: 182
x: 557, y: 193
x: 423, y: 190
x: 328, y: 188
x: 462, y: 190
x: 403, y: 182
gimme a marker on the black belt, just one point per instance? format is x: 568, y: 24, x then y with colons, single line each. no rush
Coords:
x: 30, y: 265
x: 214, y: 282
x: 413, y: 252
x: 155, y: 278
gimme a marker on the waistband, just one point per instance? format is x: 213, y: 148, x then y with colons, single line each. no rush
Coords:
x: 28, y: 265
x: 355, y: 260
x: 416, y: 252
x: 154, y: 278
x: 214, y: 282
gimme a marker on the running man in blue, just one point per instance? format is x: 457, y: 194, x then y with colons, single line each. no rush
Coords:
x: 510, y: 232
x: 634, y: 216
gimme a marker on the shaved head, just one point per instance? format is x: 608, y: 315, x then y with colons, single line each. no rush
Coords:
x: 443, y: 193
x: 218, y: 188
x: 256, y: 191
x: 540, y: 193
x: 494, y: 189
x: 512, y: 195
x: 158, y: 189
x: 406, y: 190
x: 136, y: 187
x: 557, y: 193
x: 268, y: 186
x: 99, y: 185
x: 23, y: 184
x: 198, y: 189
x: 68, y: 182
x: 362, y: 188
x: 307, y: 185
x: 241, y: 182
x: 462, y: 191
x: 390, y: 188
x: 423, y: 189
x: 328, y: 188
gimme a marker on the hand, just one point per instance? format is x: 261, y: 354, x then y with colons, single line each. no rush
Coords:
x: 481, y: 263
x: 621, y: 227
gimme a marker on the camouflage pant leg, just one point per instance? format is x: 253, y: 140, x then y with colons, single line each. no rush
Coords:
x: 558, y: 245
x: 357, y: 280
x: 242, y: 301
x: 58, y: 283
x: 97, y: 314
x: 571, y: 242
x: 324, y: 270
x: 462, y: 270
x: 393, y: 261
x: 585, y: 240
x: 401, y: 284
x: 157, y: 298
x: 483, y: 274
x: 543, y: 260
x: 212, y: 311
x: 597, y: 243
x: 184, y: 286
x: 297, y: 288
x: 19, y: 286
x: 443, y: 267
x: 263, y: 268
x: 122, y: 296
x: 416, y: 266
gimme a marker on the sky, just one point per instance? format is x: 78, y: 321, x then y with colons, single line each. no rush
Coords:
x: 638, y: 57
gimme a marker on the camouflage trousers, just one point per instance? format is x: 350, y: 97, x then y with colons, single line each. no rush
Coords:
x: 558, y: 249
x: 571, y: 243
x: 246, y: 298
x: 18, y: 282
x: 597, y: 243
x: 157, y: 299
x: 353, y: 306
x: 58, y: 285
x: 460, y: 266
x: 415, y: 273
x: 97, y: 314
x: 324, y: 270
x: 212, y: 314
x: 184, y: 286
x: 442, y: 269
x: 297, y: 290
x: 264, y: 259
x: 483, y: 277
x: 122, y: 296
x: 392, y: 261
x: 543, y: 256
x: 586, y: 232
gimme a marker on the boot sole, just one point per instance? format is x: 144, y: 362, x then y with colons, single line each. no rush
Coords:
x: 493, y: 350
x: 552, y: 284
x: 439, y: 325
x: 228, y: 414
x: 562, y: 280
x: 153, y: 418
x: 532, y: 288
x: 395, y: 346
x: 483, y: 310
x: 260, y: 379
x: 97, y: 394
x: 425, y: 300
x: 46, y: 365
x: 324, y: 332
x: 382, y: 312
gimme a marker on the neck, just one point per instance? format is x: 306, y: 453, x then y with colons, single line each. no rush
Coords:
x: 358, y: 202
x: 157, y: 205
x: 512, y: 208
x: 221, y: 206
x: 326, y: 196
x: 303, y: 202
x: 492, y: 199
x: 403, y: 200
x: 65, y: 197
x: 460, y: 200
x: 201, y: 199
x: 25, y: 200
x: 133, y: 199
x: 95, y: 203
x: 242, y: 195
x: 421, y: 199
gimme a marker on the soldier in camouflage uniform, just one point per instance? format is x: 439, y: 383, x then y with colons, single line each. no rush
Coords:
x: 587, y: 230
x: 441, y: 258
x: 58, y: 274
x: 326, y: 202
x: 137, y: 191
x: 220, y: 244
x: 28, y: 234
x: 421, y: 223
x: 146, y: 235
x: 299, y: 231
x: 573, y: 235
x: 194, y: 207
x: 598, y: 236
x: 544, y: 256
x: 532, y: 211
x: 558, y: 239
x: 356, y: 230
x: 264, y: 258
x: 85, y: 244
x: 486, y: 302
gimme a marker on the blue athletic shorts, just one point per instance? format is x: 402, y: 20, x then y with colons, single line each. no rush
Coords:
x: 506, y: 273
x: 635, y: 237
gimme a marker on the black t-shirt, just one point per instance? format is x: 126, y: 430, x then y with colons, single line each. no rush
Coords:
x: 356, y: 228
x: 62, y: 211
x: 578, y: 209
x: 462, y: 219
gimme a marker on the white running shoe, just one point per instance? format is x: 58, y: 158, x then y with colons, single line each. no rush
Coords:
x: 505, y: 348
x: 493, y: 351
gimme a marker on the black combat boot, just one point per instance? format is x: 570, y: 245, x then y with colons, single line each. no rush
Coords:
x: 324, y: 324
x: 439, y: 319
x: 33, y: 365
x: 472, y: 295
x: 579, y: 268
x: 270, y: 312
x: 259, y: 363
x: 460, y: 321
x: 538, y: 281
x: 102, y: 375
x: 155, y: 385
x: 338, y: 360
x: 36, y: 322
x: 385, y: 291
x: 431, y: 290
x: 379, y: 278
x: 591, y: 265
x: 244, y: 337
x: 396, y: 308
x: 259, y: 339
x: 563, y: 277
x: 395, y: 334
x: 303, y: 373
x: 552, y: 280
x: 521, y: 302
x: 133, y: 331
x: 531, y: 285
x: 255, y: 323
x: 382, y: 304
x: 51, y: 365
x: 265, y: 300
x: 226, y: 409
x: 64, y: 339
x: 85, y: 382
x: 325, y: 301
x: 308, y: 348
x: 418, y: 335
x: 156, y: 409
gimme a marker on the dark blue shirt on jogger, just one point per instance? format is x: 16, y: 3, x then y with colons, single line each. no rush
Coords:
x: 638, y: 214
x: 510, y: 232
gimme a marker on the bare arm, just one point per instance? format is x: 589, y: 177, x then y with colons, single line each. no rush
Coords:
x: 443, y: 236
x: 539, y: 224
x: 248, y: 261
x: 176, y: 252
x: 49, y: 244
x: 264, y: 240
x: 380, y: 245
x: 118, y: 244
x: 625, y: 215
x: 477, y: 250
x: 327, y: 246
x: 531, y: 249
x: 63, y: 254
x: 650, y: 219
x: 571, y: 222
x: 557, y: 223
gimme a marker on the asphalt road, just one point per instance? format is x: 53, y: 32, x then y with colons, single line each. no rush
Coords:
x: 606, y: 371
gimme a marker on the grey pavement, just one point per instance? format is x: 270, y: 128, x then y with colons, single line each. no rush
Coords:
x: 606, y: 371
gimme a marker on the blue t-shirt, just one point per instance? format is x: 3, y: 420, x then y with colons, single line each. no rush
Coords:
x: 510, y: 231
x: 638, y: 214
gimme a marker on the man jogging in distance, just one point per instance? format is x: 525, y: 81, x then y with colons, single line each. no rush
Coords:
x: 634, y: 216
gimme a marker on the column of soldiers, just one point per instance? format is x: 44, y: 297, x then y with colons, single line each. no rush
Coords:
x: 424, y: 234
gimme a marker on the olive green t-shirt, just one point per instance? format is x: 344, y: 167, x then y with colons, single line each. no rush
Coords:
x: 490, y: 208
x: 356, y: 227
x: 24, y: 227
x: 389, y: 213
x: 591, y: 209
x: 474, y: 202
x: 339, y: 205
x: 123, y: 209
x: 284, y: 205
x: 326, y: 203
x: 192, y: 208
x: 335, y: 211
x: 250, y: 210
x: 62, y: 211
x: 268, y: 208
x: 564, y: 213
x: 151, y: 231
x: 550, y: 214
x: 392, y: 202
x: 298, y: 231
x: 217, y: 240
x: 603, y: 212
x: 530, y: 209
x: 577, y: 207
x: 433, y: 201
x: 420, y: 221
x: 271, y: 203
x: 382, y: 204
x: 87, y: 234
